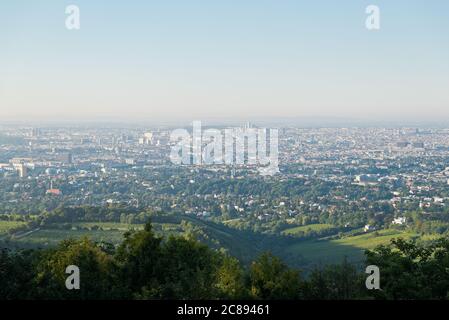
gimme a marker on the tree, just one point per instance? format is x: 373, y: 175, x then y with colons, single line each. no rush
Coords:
x: 16, y: 274
x: 139, y: 257
x: 178, y: 268
x: 271, y: 279
x: 411, y: 271
x: 188, y: 270
x: 231, y: 279
x: 334, y: 282
x: 96, y: 272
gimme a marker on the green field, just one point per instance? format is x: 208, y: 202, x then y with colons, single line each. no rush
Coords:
x: 108, y: 226
x: 51, y: 237
x: 333, y: 251
x: 5, y: 226
x: 310, y: 227
x: 232, y: 222
x: 242, y: 244
x: 97, y: 231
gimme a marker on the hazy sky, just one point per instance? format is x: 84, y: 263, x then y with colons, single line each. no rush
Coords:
x: 192, y: 59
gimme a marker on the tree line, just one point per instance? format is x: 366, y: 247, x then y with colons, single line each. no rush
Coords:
x: 146, y: 266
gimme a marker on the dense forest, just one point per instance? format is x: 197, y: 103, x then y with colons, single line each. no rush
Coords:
x: 147, y: 266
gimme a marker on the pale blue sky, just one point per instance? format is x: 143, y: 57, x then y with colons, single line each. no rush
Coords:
x: 202, y: 59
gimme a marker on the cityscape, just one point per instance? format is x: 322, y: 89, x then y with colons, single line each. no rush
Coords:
x: 337, y: 182
x: 220, y: 159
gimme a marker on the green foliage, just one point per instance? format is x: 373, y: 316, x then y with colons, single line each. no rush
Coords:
x: 146, y: 266
x: 96, y: 271
x: 335, y: 282
x: 8, y: 227
x: 231, y: 279
x: 272, y: 279
x: 410, y: 271
x: 138, y: 257
x: 16, y: 274
x: 178, y: 268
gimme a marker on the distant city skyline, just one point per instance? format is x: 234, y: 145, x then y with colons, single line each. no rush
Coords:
x: 197, y: 60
